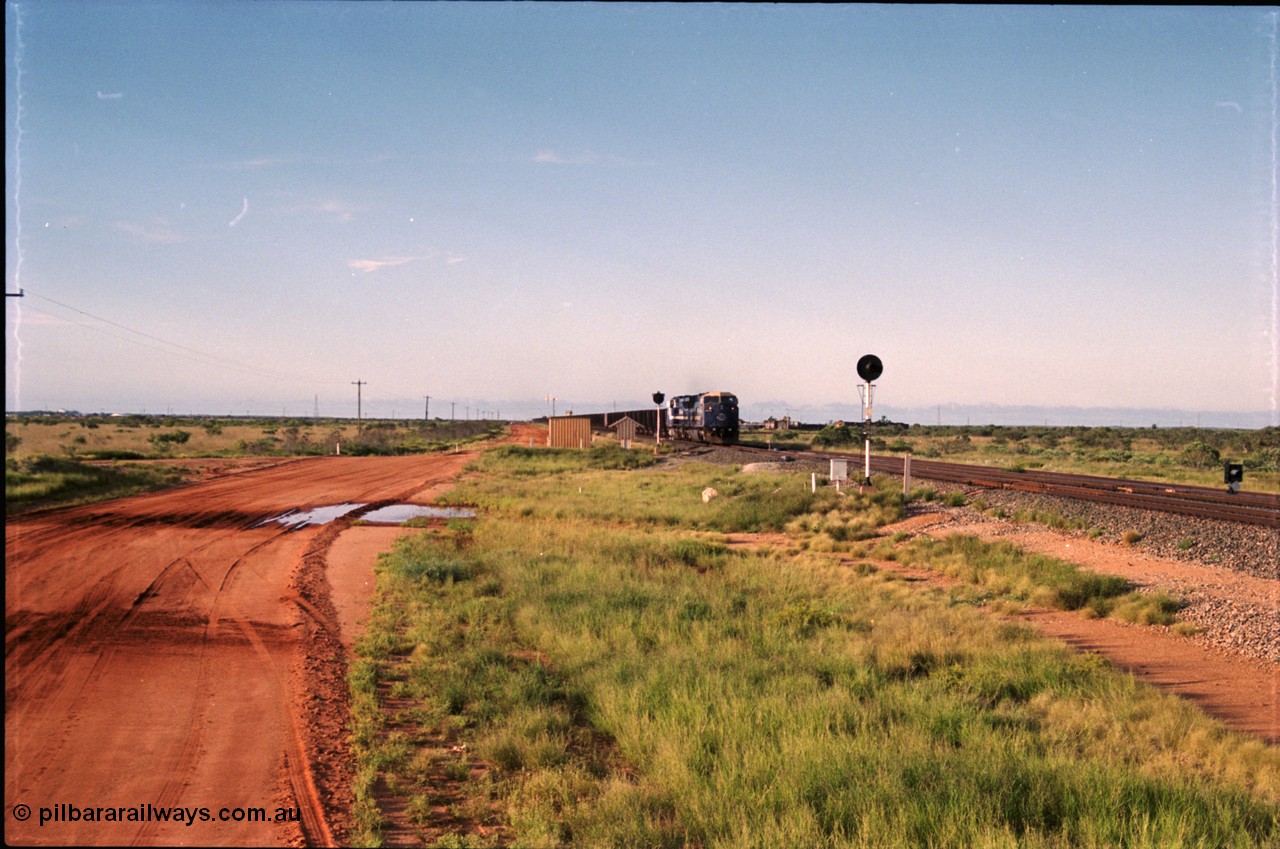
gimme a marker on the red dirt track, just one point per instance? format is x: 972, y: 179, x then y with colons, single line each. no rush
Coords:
x: 169, y: 650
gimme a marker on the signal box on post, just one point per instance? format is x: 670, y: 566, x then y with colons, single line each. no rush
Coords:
x: 1233, y: 476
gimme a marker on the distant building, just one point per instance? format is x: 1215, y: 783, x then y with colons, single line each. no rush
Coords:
x: 569, y: 432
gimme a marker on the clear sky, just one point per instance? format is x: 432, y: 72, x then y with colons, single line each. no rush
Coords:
x: 231, y: 207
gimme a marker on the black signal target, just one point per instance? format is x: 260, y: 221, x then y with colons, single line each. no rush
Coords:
x: 869, y: 367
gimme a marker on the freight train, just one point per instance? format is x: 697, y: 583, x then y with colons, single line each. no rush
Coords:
x: 706, y: 417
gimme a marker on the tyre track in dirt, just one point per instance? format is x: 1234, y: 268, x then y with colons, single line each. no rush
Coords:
x: 1241, y: 690
x: 92, y: 623
x: 163, y: 650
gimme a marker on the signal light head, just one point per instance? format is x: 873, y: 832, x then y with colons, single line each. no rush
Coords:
x: 870, y: 367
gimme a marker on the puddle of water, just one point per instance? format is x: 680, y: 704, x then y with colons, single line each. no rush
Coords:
x: 394, y: 514
x: 315, y: 516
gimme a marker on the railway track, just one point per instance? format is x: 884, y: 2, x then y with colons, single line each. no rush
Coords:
x: 1251, y: 508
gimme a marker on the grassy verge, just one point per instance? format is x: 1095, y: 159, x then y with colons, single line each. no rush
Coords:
x: 1002, y: 571
x: 590, y: 664
x: 50, y: 481
x: 158, y: 437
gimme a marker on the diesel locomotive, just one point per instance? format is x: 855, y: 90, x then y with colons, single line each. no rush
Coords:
x: 706, y: 417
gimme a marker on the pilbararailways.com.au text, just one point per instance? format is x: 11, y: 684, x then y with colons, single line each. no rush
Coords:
x: 149, y: 813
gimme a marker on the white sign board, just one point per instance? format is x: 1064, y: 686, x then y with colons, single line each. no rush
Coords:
x: 839, y: 470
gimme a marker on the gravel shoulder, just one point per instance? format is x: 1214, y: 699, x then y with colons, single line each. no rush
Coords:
x: 1232, y: 609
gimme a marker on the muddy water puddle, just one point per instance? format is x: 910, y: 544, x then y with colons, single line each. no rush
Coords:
x: 395, y: 514
x: 315, y: 516
x: 392, y: 514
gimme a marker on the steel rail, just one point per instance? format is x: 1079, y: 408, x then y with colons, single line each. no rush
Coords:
x: 1252, y: 508
x: 1121, y: 494
x: 1260, y: 500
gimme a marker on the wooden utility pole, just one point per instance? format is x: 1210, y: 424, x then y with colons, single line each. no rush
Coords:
x: 426, y: 408
x: 357, y: 384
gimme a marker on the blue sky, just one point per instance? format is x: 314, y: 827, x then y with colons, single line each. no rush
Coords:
x: 245, y: 207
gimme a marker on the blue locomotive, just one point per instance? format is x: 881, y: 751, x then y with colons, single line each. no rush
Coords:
x: 707, y: 417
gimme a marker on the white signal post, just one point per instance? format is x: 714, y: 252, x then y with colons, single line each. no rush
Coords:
x: 866, y: 391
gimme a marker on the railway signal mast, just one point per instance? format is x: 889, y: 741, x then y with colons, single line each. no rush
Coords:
x: 869, y: 368
x: 658, y: 398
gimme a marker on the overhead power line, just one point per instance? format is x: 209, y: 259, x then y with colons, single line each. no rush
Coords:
x: 173, y: 349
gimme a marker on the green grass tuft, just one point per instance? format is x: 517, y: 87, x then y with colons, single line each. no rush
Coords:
x: 620, y: 677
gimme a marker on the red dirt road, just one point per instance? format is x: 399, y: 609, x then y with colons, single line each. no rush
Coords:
x: 168, y: 650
